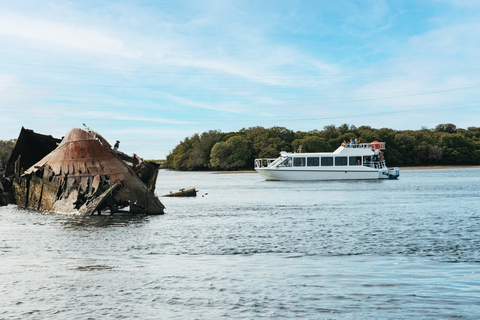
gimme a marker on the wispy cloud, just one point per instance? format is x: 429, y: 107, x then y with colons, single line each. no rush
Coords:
x: 49, y: 33
x: 186, y: 67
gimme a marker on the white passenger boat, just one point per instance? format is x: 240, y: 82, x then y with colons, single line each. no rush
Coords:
x: 350, y: 162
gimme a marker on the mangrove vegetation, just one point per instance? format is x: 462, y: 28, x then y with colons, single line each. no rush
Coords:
x: 215, y: 150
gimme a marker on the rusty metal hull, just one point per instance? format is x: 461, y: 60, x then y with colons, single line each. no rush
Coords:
x: 84, y: 175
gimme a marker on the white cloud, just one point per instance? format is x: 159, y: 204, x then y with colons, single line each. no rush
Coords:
x: 195, y: 62
x: 47, y: 32
x: 240, y: 50
x: 460, y: 39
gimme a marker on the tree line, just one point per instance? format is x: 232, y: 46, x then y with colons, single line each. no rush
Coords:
x: 216, y: 150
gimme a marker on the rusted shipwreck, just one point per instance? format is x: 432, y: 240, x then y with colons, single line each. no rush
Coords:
x: 82, y: 175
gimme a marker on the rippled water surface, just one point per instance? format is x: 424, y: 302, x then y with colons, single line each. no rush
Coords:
x: 247, y: 248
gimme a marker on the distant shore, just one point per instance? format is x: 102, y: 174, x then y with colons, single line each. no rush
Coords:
x: 400, y: 167
x: 437, y: 167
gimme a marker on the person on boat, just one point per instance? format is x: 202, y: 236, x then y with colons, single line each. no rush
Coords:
x: 344, y: 143
x: 352, y: 143
x: 356, y: 143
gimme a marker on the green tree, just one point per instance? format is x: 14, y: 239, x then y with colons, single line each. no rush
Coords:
x: 178, y: 158
x: 330, y: 132
x: 457, y: 149
x: 201, y: 150
x: 6, y: 148
x: 231, y: 154
x: 367, y: 134
x: 311, y: 143
x: 267, y: 143
x: 447, y: 128
x: 444, y: 144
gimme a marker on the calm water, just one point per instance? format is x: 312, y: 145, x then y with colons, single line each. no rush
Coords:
x: 249, y: 249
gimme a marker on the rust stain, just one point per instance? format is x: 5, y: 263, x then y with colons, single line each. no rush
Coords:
x: 84, y: 175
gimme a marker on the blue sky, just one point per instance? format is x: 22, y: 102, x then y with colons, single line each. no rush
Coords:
x: 150, y: 73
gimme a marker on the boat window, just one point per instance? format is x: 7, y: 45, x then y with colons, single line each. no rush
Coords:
x: 286, y: 163
x: 327, y: 161
x: 354, y: 161
x: 340, y: 161
x: 298, y: 162
x: 313, y: 161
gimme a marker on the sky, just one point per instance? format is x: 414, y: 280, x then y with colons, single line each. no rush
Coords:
x: 151, y: 73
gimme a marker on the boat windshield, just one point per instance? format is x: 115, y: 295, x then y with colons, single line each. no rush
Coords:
x: 283, y: 162
x: 277, y: 161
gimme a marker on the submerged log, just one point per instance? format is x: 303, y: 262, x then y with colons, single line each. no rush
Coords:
x: 84, y: 175
x: 182, y: 193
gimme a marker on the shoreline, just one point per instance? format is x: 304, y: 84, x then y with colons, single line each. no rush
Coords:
x: 400, y: 167
x: 438, y: 167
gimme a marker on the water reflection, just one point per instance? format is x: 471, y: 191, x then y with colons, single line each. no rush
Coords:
x: 114, y: 221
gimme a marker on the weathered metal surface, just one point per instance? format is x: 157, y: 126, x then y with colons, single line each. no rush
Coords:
x: 146, y: 170
x: 20, y: 192
x: 35, y: 193
x: 30, y: 148
x: 182, y: 193
x: 84, y: 175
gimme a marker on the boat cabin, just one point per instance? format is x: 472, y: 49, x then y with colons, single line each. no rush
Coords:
x: 364, y: 154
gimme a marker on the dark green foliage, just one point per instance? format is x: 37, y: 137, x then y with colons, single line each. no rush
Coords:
x: 311, y: 143
x: 6, y: 148
x: 194, y: 152
x: 444, y: 145
x: 231, y: 154
x: 446, y: 127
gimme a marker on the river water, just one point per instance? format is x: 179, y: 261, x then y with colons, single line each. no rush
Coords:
x: 245, y: 248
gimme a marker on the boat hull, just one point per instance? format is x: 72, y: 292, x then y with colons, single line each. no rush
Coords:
x: 315, y: 175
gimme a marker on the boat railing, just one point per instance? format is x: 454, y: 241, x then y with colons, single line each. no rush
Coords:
x: 263, y: 162
x: 372, y: 145
x: 375, y: 164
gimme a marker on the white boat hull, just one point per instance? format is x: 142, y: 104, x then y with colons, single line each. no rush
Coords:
x: 360, y: 162
x: 302, y: 175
